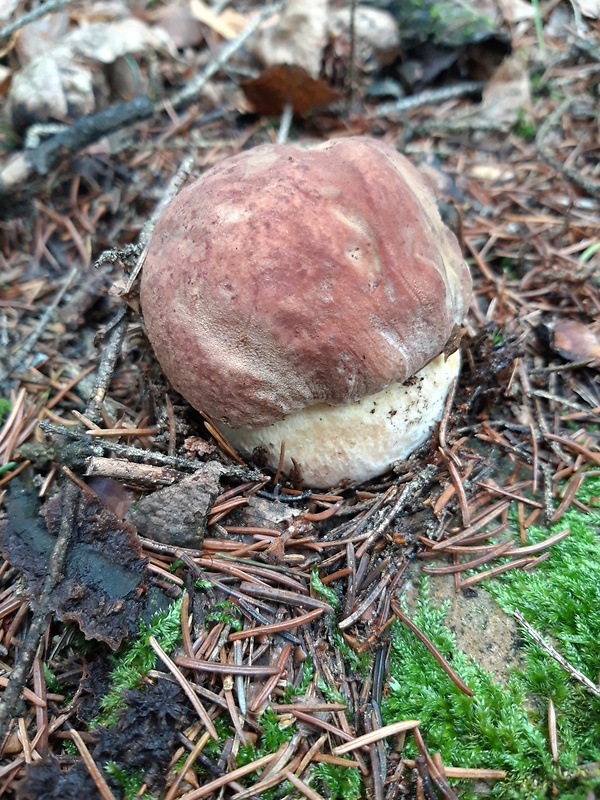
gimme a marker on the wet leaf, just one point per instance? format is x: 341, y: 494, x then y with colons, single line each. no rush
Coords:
x: 103, y: 587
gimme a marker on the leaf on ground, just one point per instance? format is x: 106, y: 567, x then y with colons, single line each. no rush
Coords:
x: 376, y: 35
x: 103, y: 585
x: 228, y: 24
x: 181, y: 25
x: 282, y: 85
x: 575, y: 341
x: 508, y: 93
x: 63, y: 82
x: 296, y: 36
x: 589, y: 8
x: 178, y: 514
x: 515, y: 11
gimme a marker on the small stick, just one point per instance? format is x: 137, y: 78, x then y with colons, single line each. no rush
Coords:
x: 172, y: 190
x: 433, y: 96
x: 547, y: 648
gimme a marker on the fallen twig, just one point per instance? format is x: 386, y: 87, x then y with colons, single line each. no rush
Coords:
x: 547, y: 648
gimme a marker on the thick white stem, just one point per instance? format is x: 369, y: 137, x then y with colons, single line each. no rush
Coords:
x: 359, y: 441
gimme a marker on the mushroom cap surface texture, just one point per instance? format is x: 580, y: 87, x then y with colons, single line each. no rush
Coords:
x: 287, y: 277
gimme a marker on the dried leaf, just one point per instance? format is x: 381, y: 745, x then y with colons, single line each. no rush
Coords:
x: 281, y: 85
x: 41, y: 36
x: 47, y: 91
x: 62, y: 84
x: 507, y: 93
x: 377, y: 38
x: 227, y: 24
x: 7, y: 9
x: 104, y: 42
x: 177, y: 514
x: 297, y: 36
x: 179, y: 22
x: 589, y: 8
x: 575, y: 341
x: 515, y: 11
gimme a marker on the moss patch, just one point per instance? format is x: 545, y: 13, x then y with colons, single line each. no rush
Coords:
x: 504, y: 725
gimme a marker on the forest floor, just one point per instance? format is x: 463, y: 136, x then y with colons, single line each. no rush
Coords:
x: 431, y: 634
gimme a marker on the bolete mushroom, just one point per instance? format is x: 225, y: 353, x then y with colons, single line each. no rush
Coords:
x: 312, y: 297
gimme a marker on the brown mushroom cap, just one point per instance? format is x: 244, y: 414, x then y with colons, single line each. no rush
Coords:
x: 287, y: 277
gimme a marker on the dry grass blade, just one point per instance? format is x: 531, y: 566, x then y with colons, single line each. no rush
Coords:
x: 374, y: 736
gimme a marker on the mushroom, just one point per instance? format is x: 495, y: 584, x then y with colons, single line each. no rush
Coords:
x: 311, y: 297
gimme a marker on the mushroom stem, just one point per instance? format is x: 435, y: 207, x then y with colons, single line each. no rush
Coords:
x: 358, y: 441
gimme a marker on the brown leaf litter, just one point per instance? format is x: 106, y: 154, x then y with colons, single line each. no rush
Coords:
x: 520, y: 435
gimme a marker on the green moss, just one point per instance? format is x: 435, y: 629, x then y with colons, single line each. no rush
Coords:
x: 129, y: 783
x: 226, y: 612
x: 492, y: 729
x: 336, y: 782
x: 504, y: 726
x: 135, y: 659
x: 524, y: 126
x: 5, y: 408
x: 273, y: 734
x: 561, y: 599
x: 317, y: 585
x: 308, y: 673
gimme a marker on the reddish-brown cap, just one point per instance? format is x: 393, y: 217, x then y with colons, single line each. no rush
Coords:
x: 286, y: 277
